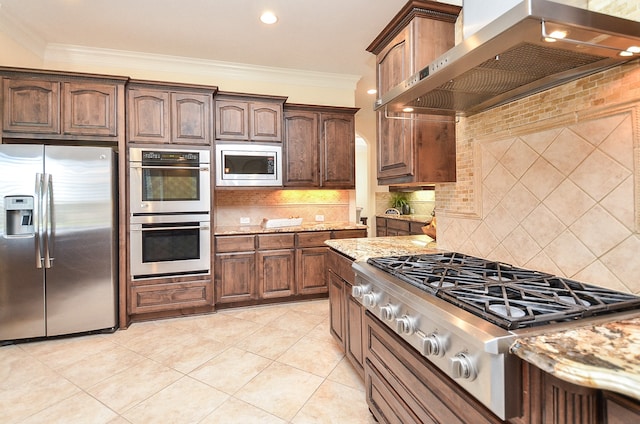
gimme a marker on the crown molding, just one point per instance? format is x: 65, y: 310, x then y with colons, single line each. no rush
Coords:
x: 76, y: 55
x: 14, y: 29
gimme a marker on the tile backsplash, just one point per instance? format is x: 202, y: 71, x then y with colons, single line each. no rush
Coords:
x: 231, y: 205
x: 556, y: 192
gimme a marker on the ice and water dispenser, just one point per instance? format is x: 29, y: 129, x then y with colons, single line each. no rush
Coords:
x: 18, y: 216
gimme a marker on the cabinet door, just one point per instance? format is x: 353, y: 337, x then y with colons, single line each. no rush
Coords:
x: 338, y: 144
x: 395, y: 146
x: 336, y: 308
x: 265, y: 122
x: 232, y: 120
x: 31, y: 106
x: 311, y: 265
x: 301, y: 150
x: 355, y: 331
x: 148, y: 116
x: 276, y: 277
x: 191, y: 118
x: 235, y: 277
x: 89, y: 109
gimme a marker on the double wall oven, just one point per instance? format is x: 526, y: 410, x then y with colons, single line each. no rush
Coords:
x: 170, y: 192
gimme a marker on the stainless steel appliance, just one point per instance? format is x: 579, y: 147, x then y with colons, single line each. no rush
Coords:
x: 536, y: 45
x: 58, y: 241
x: 463, y: 313
x: 169, y: 180
x: 248, y: 164
x: 169, y: 245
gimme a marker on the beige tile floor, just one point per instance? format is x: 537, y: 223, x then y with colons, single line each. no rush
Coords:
x: 269, y: 364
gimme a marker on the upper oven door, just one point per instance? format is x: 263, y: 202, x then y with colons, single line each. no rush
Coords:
x: 169, y: 180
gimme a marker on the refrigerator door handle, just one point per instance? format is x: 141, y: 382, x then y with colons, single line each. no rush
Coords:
x: 38, y: 232
x: 47, y: 219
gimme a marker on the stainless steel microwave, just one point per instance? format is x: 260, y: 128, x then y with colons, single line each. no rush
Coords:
x: 248, y: 164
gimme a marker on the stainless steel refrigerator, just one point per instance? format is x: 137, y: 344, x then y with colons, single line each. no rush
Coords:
x: 58, y: 240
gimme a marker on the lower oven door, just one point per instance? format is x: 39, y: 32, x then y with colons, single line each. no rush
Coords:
x: 169, y: 245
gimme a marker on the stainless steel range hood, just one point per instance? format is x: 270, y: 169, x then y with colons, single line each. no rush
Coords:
x: 509, y: 59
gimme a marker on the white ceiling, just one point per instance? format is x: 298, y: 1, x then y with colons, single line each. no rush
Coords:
x: 322, y: 36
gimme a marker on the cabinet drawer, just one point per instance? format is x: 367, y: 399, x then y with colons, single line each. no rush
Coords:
x: 234, y: 243
x: 168, y: 296
x: 397, y: 224
x: 416, y: 227
x: 381, y: 222
x: 343, y: 234
x: 276, y: 241
x: 341, y: 265
x: 313, y: 238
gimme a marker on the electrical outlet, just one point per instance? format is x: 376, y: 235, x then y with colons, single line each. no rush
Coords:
x: 320, y: 218
x: 245, y: 220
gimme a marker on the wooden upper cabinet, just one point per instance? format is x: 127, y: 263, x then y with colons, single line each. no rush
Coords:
x: 31, y: 106
x: 90, y: 109
x: 265, y: 122
x: 415, y: 148
x: 338, y: 144
x: 191, y: 118
x: 148, y: 116
x: 62, y: 105
x: 232, y: 120
x: 301, y: 164
x: 248, y: 117
x: 319, y: 147
x: 159, y: 113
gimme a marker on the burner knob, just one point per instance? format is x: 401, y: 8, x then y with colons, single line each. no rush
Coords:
x: 370, y: 300
x: 433, y: 345
x: 359, y: 291
x: 388, y: 312
x: 405, y: 325
x: 462, y: 367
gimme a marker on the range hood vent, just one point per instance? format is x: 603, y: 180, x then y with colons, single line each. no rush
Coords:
x: 511, y: 58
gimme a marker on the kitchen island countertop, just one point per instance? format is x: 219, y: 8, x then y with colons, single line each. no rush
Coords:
x: 314, y: 226
x: 412, y: 217
x: 361, y: 249
x: 603, y: 355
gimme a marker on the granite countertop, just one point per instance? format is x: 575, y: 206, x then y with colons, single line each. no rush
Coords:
x: 314, y: 226
x: 413, y: 218
x: 604, y: 355
x: 361, y: 249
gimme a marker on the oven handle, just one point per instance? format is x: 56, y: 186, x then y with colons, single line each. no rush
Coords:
x: 138, y: 166
x: 190, y: 227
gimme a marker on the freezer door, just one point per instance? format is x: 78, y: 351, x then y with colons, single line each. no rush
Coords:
x: 81, y: 282
x: 22, y: 289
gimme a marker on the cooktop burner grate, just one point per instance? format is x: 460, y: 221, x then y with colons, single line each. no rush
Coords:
x: 502, y: 294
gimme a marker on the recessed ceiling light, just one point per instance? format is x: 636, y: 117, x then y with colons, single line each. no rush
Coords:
x: 372, y: 91
x: 268, y: 18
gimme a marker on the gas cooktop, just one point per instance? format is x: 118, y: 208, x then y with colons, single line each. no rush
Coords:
x: 505, y: 295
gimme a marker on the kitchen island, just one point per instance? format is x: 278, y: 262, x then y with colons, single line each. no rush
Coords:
x: 590, y: 364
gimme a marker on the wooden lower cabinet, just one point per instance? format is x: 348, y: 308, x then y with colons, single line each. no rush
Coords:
x: 346, y: 313
x: 165, y: 295
x: 311, y: 267
x: 276, y: 273
x: 235, y: 277
x: 397, y: 227
x: 257, y: 268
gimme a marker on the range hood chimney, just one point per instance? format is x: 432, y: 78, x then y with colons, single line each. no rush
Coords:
x: 534, y: 46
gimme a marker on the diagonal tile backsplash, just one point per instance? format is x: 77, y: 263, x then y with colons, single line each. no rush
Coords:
x: 560, y: 201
